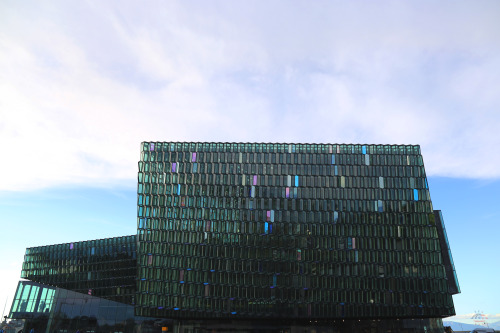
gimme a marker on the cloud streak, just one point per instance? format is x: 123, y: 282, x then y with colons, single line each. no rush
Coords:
x: 81, y: 87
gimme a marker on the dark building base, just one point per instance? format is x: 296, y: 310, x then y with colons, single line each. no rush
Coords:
x: 429, y: 325
x: 48, y: 309
x: 73, y: 325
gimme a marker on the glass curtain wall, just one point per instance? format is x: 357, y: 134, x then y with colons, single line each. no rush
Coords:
x: 263, y: 230
x: 105, y: 267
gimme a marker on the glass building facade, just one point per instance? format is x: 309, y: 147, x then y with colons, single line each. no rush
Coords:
x: 51, y: 309
x: 304, y: 231
x: 257, y: 237
x: 104, y: 268
x: 54, y: 310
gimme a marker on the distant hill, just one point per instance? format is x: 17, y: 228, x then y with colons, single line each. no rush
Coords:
x: 495, y: 325
x: 468, y: 327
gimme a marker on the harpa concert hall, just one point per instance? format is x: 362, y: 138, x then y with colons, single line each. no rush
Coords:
x: 256, y: 237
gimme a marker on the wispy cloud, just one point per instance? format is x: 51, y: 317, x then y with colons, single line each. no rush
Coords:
x: 82, y: 86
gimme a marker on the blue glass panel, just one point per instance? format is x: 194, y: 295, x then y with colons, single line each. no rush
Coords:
x: 415, y: 194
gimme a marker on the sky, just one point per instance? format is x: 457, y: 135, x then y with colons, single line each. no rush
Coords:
x: 83, y: 83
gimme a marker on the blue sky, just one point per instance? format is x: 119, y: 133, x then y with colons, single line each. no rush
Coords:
x: 82, y: 84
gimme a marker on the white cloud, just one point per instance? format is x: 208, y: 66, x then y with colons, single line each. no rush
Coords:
x: 82, y: 86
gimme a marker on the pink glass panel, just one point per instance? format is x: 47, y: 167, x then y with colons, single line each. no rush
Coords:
x: 287, y: 192
x: 255, y: 179
x: 194, y: 157
x: 174, y: 166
